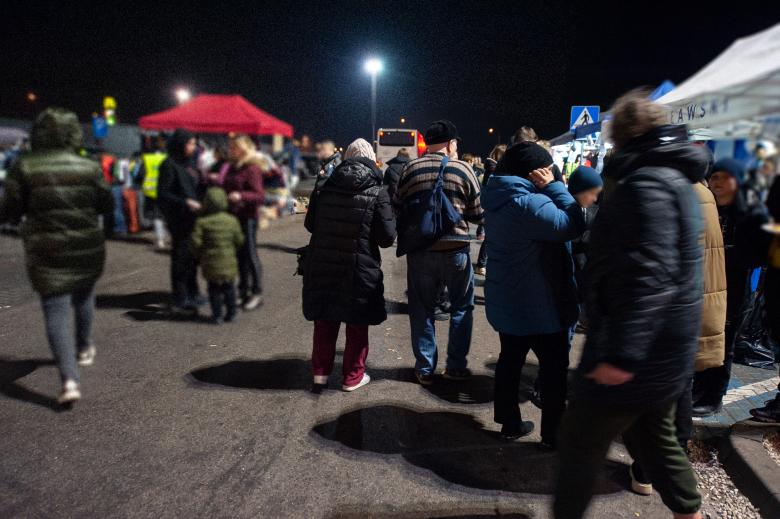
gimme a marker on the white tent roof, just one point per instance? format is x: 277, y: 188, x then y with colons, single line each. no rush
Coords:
x: 742, y: 83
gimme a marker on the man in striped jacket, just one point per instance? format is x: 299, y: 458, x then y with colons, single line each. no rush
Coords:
x: 447, y: 262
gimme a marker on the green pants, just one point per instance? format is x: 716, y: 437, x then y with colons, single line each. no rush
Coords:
x: 649, y: 435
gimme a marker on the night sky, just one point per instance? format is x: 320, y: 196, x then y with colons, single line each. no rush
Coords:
x: 480, y: 64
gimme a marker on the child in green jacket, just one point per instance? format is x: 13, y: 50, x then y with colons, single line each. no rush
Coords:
x: 217, y: 238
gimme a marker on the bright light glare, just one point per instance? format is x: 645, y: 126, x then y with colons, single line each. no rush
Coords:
x: 373, y: 66
x: 183, y: 95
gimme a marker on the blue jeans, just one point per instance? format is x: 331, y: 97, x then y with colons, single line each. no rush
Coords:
x: 56, y: 313
x: 426, y: 272
x: 119, y: 214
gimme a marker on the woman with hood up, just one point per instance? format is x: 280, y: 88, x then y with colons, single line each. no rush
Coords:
x: 178, y: 196
x: 350, y: 219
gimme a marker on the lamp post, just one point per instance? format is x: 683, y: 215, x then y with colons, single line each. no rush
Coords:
x: 373, y: 66
x: 183, y: 95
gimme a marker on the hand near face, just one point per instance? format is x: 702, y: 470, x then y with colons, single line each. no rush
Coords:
x: 541, y: 178
x: 234, y: 197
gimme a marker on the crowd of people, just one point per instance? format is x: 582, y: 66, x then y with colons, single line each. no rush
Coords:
x: 650, y: 257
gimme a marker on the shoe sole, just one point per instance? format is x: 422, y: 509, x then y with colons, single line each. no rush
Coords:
x: 641, y: 488
x: 350, y: 389
x: 69, y: 398
x: 255, y: 306
x: 88, y: 360
x: 515, y: 437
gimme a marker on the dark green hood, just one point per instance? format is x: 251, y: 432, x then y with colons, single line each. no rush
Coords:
x: 56, y: 128
x: 216, y: 201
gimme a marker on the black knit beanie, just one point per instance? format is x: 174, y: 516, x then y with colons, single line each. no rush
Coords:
x: 523, y: 158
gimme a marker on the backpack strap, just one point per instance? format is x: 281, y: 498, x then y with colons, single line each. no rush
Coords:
x: 444, y: 161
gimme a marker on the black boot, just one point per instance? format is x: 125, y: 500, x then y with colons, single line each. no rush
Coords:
x: 702, y: 410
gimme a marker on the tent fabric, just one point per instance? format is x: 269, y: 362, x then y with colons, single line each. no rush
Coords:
x: 209, y: 113
x: 742, y: 83
x: 661, y: 90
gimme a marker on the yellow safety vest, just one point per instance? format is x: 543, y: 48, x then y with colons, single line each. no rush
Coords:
x: 152, y: 163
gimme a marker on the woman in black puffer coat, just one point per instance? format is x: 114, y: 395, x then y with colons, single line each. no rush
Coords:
x: 350, y: 218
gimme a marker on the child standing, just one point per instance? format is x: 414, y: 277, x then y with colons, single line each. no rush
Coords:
x: 217, y: 237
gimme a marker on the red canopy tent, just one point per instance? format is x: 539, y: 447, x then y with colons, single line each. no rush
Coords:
x: 210, y: 113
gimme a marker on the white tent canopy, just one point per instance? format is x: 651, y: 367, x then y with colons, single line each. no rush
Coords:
x: 743, y: 83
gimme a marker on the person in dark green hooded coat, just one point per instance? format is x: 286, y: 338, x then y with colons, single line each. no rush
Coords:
x: 217, y: 237
x: 60, y: 195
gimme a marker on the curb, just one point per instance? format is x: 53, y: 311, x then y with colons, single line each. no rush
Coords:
x: 751, y: 468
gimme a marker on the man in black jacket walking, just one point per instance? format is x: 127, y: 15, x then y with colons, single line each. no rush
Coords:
x: 644, y: 306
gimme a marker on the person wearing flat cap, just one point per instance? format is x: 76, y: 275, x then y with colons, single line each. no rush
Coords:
x: 447, y: 262
x: 530, y: 294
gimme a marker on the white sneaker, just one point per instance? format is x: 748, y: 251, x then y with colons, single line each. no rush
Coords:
x: 87, y: 357
x: 366, y: 380
x: 643, y: 489
x: 253, y: 302
x: 321, y: 380
x: 70, y: 392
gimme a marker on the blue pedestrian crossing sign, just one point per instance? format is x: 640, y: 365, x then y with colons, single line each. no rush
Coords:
x: 584, y: 115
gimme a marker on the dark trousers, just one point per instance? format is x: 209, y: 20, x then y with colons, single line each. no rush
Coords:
x: 326, y: 333
x: 649, y: 435
x: 249, y: 267
x: 184, y: 270
x: 553, y: 353
x: 482, y: 258
x: 710, y: 385
x: 683, y: 418
x: 222, y: 295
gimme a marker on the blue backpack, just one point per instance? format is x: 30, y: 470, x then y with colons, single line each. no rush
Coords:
x: 426, y: 217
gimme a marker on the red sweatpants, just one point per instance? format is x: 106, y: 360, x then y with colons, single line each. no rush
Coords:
x: 326, y: 333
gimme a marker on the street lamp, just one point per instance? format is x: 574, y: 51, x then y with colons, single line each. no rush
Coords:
x: 373, y: 67
x: 183, y: 95
x: 31, y: 97
x: 403, y: 120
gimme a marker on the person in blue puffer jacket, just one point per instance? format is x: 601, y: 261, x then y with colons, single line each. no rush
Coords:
x: 530, y: 293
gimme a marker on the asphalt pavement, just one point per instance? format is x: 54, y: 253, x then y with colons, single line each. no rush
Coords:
x: 186, y: 419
